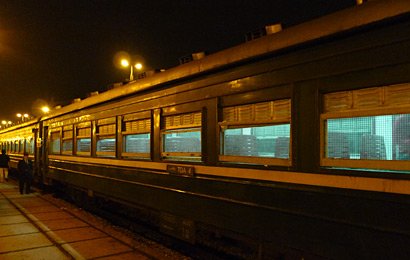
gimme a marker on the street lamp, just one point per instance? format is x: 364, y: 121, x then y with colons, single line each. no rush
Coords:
x: 126, y: 63
x: 22, y: 116
x: 6, y: 123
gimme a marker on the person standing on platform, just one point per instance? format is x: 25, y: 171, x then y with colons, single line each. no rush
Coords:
x: 4, y: 166
x: 25, y: 168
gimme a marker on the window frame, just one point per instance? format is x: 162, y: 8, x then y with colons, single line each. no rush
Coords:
x: 30, y: 146
x: 22, y: 145
x: 69, y: 128
x: 17, y: 144
x: 136, y: 117
x: 77, y: 137
x: 371, y: 110
x: 101, y: 136
x: 55, y: 130
x: 273, y: 161
x: 182, y: 156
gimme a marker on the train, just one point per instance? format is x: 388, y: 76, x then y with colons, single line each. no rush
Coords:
x: 292, y: 145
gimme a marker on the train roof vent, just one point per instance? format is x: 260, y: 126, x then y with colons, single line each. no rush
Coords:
x: 273, y: 28
x: 268, y: 29
x: 76, y: 100
x: 92, y: 94
x: 148, y: 73
x: 114, y: 85
x: 360, y: 2
x: 191, y: 57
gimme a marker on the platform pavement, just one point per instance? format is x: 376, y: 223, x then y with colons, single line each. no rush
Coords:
x: 19, y: 237
x: 34, y: 228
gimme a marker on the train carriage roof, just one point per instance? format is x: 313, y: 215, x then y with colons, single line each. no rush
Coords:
x: 343, y: 21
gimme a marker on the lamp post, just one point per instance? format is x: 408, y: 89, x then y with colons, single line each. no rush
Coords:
x: 126, y: 63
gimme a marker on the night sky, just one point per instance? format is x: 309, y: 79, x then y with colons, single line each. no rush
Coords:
x: 56, y: 50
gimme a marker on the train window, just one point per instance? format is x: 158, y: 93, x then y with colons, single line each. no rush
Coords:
x: 257, y: 133
x: 106, y: 129
x: 83, y: 136
x: 55, y: 142
x: 16, y: 146
x: 21, y: 146
x: 68, y: 140
x: 30, y: 146
x: 26, y: 146
x: 181, y: 136
x: 136, y: 137
x: 367, y: 128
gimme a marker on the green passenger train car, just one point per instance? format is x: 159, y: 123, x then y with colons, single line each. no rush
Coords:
x: 294, y: 145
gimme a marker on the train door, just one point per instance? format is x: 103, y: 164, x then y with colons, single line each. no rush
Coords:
x: 32, y: 148
x: 44, y: 154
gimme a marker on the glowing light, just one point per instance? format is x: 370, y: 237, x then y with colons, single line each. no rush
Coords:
x: 125, y: 63
x: 124, y: 60
x: 138, y: 66
x: 45, y: 109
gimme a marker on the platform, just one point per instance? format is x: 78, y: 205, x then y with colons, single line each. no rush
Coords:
x: 36, y: 226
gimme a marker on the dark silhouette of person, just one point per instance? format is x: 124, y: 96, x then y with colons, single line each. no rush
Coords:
x: 4, y: 165
x: 25, y: 169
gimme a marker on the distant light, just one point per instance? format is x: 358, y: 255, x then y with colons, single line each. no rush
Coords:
x: 125, y: 63
x: 45, y: 109
x: 9, y: 122
x: 25, y: 115
x: 4, y: 122
x: 138, y: 66
x: 19, y: 115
